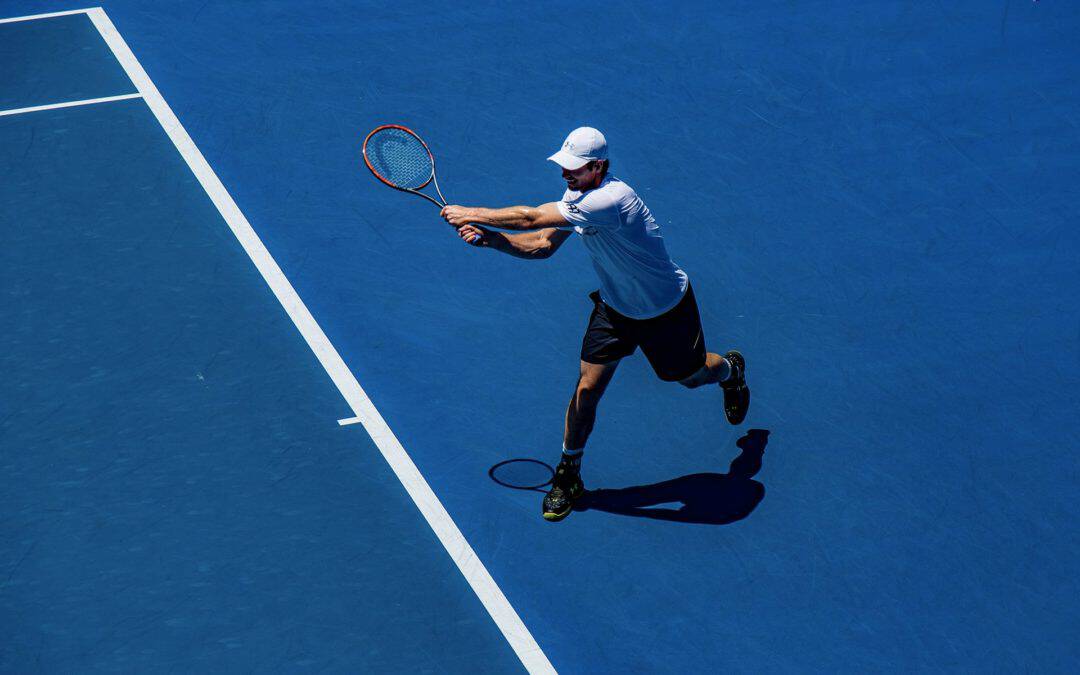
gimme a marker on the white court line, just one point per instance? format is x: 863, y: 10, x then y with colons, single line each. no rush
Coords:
x: 492, y: 597
x: 34, y: 17
x: 349, y: 420
x: 68, y: 104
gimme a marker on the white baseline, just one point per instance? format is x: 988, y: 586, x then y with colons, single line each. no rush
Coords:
x: 489, y: 593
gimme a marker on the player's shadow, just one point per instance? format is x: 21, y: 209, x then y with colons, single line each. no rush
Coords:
x: 707, y: 498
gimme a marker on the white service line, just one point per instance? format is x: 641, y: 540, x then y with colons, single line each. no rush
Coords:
x: 68, y: 104
x: 35, y: 17
x: 492, y: 597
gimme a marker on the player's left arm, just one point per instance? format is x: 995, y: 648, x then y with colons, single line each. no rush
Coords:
x: 517, y: 218
x: 534, y: 245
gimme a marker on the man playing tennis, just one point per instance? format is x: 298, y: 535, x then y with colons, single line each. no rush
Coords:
x: 645, y: 299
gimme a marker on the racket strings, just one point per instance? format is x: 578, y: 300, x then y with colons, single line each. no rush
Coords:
x: 400, y: 158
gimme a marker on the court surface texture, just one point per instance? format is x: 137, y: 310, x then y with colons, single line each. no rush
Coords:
x: 260, y: 413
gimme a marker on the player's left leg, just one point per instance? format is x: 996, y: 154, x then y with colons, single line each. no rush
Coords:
x: 716, y: 369
x: 729, y: 371
x: 674, y: 343
x: 736, y: 393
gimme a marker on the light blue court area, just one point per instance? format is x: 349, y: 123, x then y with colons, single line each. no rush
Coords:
x: 55, y: 60
x: 174, y: 488
x: 876, y: 203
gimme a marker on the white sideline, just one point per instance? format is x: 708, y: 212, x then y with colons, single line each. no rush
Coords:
x: 489, y: 593
x: 34, y: 17
x: 68, y: 104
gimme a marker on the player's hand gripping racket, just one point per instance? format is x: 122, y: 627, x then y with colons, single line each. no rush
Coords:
x: 397, y: 157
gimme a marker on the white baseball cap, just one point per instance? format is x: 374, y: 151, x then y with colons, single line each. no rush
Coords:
x: 582, y: 146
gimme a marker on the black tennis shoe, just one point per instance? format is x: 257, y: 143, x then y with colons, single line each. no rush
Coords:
x: 736, y: 393
x: 566, y: 488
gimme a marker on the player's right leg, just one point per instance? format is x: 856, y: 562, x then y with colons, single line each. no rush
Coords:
x: 608, y: 339
x: 581, y: 413
x: 567, y: 486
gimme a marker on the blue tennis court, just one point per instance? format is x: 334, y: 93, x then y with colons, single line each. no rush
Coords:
x: 261, y: 413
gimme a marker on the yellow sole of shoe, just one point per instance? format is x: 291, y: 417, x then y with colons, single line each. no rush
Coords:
x: 557, y: 516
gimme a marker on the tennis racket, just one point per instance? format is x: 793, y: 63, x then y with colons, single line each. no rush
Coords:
x: 398, y: 157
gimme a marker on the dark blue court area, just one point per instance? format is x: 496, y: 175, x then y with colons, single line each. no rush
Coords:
x: 877, y: 203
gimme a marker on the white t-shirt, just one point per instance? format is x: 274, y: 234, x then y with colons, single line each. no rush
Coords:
x: 638, y: 279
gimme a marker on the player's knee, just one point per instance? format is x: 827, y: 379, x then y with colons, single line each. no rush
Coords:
x: 587, y: 394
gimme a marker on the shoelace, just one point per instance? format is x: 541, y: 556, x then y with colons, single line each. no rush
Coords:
x: 556, y: 496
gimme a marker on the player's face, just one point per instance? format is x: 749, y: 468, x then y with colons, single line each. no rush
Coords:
x: 585, y: 178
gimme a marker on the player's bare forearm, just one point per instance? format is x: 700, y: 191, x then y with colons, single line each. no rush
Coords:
x: 528, y: 245
x: 518, y: 218
x: 509, y: 218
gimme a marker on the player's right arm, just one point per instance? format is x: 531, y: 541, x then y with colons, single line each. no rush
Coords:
x: 535, y: 245
x: 519, y: 218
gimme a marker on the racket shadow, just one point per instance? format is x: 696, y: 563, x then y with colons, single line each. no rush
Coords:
x: 523, y: 473
x: 706, y: 498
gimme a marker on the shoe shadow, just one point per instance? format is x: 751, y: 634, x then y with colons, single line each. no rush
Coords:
x: 706, y: 498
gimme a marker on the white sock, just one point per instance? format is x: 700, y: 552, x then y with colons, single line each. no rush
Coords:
x: 730, y: 371
x: 572, y: 457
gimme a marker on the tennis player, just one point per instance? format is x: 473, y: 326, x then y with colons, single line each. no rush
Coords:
x: 645, y: 300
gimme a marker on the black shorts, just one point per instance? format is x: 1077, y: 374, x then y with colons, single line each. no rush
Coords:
x: 673, y: 342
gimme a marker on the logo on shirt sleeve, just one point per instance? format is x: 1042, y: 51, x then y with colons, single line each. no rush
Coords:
x: 572, y: 208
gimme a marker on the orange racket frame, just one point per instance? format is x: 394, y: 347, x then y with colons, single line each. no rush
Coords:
x: 441, y: 202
